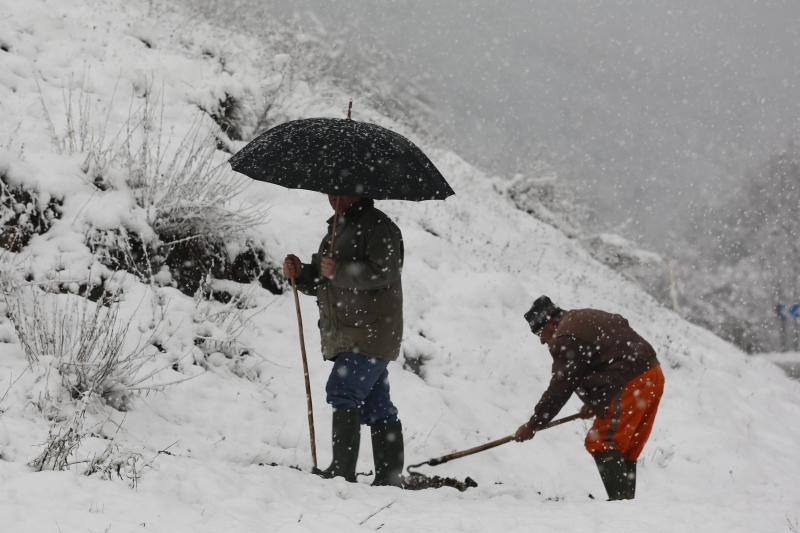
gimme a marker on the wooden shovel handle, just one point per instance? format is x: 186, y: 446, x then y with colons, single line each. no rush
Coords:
x: 470, y: 451
x: 494, y: 443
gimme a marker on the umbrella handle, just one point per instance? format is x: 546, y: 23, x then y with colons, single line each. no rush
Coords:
x: 309, y: 403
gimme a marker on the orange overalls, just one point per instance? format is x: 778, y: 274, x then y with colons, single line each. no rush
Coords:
x: 628, y: 418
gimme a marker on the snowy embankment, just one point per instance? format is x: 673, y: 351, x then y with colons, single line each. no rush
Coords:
x: 788, y: 361
x: 722, y: 457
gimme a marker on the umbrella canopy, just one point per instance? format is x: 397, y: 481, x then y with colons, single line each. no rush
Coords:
x: 342, y: 157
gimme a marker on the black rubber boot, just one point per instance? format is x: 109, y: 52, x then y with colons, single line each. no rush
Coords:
x: 388, y: 452
x: 614, y: 474
x: 630, y: 488
x: 345, y: 438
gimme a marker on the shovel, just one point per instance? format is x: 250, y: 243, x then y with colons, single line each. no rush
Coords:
x: 417, y: 480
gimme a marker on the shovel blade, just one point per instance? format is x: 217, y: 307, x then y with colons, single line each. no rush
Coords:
x: 417, y: 481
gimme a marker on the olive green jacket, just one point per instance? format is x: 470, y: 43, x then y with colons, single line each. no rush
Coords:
x: 361, y: 308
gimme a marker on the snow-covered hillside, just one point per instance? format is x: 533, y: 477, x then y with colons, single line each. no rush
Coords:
x: 722, y: 457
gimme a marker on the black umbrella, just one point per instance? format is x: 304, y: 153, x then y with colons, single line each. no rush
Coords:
x: 342, y: 157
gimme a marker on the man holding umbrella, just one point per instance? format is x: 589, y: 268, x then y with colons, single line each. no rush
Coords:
x: 355, y: 274
x: 360, y: 298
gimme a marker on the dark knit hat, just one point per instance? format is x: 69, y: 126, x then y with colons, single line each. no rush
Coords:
x: 541, y: 312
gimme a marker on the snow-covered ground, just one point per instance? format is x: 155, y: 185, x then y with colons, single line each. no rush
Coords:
x: 788, y: 361
x: 722, y: 457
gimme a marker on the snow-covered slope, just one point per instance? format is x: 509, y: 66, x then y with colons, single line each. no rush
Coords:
x: 722, y: 456
x: 788, y: 361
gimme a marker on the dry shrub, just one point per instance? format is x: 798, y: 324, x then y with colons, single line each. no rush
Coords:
x: 116, y: 463
x: 190, y: 197
x: 219, y: 331
x: 83, y: 341
x: 191, y: 200
x: 23, y: 214
x: 220, y: 325
x: 79, y: 131
x: 62, y: 441
x: 185, y: 190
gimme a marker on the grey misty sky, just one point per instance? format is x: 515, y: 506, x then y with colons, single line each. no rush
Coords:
x: 647, y: 105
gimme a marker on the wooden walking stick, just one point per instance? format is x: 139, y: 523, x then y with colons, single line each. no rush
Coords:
x: 305, y: 375
x: 309, y: 402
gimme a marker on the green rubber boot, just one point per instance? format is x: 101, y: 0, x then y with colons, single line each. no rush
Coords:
x: 388, y: 452
x: 346, y: 439
x: 630, y: 489
x: 614, y: 474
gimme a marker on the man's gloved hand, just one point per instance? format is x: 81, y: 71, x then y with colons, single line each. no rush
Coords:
x: 524, y: 432
x: 586, y: 411
x: 291, y: 266
x: 327, y: 267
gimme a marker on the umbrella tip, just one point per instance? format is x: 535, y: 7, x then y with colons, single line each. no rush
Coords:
x: 349, y: 110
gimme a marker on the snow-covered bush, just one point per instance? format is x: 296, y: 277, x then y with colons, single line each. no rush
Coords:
x: 544, y: 196
x: 65, y: 439
x: 78, y: 136
x: 190, y: 201
x: 77, y: 131
x: 190, y: 216
x: 83, y: 341
x: 189, y: 265
x: 228, y: 115
x: 646, y: 268
x: 84, y: 359
x: 186, y: 191
x: 219, y: 328
x: 23, y: 213
x: 121, y: 249
x: 116, y: 463
x: 62, y: 441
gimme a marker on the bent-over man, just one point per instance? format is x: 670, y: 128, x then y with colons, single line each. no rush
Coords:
x: 614, y: 371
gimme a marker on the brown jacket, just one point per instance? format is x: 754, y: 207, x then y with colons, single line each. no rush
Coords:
x: 361, y: 308
x: 594, y: 355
